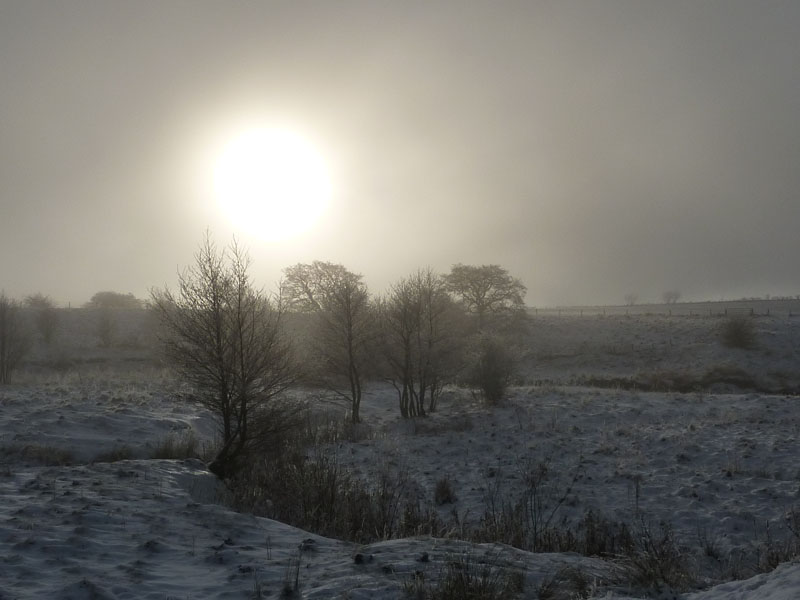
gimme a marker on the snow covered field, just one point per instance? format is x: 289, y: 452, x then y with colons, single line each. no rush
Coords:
x: 683, y: 431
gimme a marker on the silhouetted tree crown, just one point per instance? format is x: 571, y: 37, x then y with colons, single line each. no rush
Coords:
x: 39, y: 301
x: 486, y: 289
x: 308, y: 286
x: 114, y: 300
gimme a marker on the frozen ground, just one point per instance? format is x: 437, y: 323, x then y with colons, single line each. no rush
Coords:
x: 719, y: 464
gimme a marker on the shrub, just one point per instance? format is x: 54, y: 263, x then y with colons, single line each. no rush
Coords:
x: 491, y: 370
x: 739, y: 332
x: 444, y: 493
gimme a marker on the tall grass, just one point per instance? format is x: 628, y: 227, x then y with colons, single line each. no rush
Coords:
x: 178, y: 446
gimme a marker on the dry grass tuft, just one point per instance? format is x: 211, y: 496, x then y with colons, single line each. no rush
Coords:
x: 466, y: 577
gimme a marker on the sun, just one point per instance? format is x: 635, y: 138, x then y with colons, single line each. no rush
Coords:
x: 271, y: 182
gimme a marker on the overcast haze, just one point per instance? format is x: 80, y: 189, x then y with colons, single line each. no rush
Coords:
x: 593, y: 148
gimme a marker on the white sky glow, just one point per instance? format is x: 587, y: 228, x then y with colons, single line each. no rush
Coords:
x: 594, y: 149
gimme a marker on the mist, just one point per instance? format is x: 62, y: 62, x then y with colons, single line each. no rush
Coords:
x: 592, y: 149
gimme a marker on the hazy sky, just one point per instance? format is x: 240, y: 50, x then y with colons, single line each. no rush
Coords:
x: 593, y: 148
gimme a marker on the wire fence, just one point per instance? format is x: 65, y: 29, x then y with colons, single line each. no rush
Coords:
x: 755, y: 308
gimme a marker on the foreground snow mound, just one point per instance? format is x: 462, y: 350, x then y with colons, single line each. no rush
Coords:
x: 781, y: 584
x: 151, y: 529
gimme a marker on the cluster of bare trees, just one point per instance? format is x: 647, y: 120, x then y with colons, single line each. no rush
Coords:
x: 238, y: 346
x: 415, y: 336
x: 45, y: 316
x: 231, y: 340
x: 14, y: 339
x: 18, y: 323
x: 421, y: 329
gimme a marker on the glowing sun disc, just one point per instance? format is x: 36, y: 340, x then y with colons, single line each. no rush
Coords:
x: 271, y: 183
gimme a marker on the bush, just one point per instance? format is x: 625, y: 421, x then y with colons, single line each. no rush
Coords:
x: 491, y: 370
x: 444, y: 493
x: 739, y: 332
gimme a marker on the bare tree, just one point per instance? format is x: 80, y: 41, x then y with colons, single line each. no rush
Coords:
x: 486, y: 289
x: 14, y: 338
x: 419, y: 325
x: 105, y: 327
x: 671, y: 296
x: 343, y: 324
x: 631, y: 299
x: 225, y: 338
x: 45, y: 315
